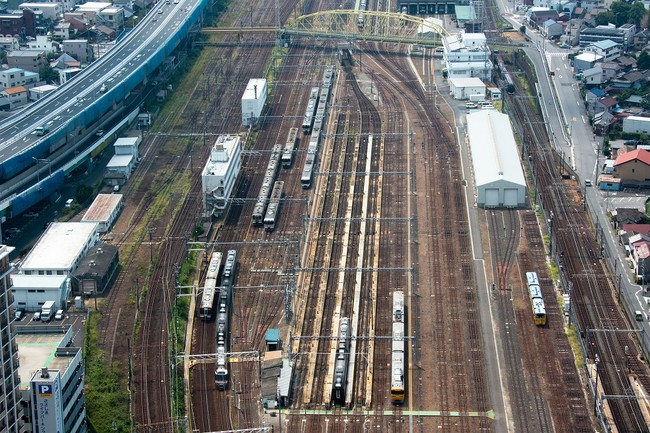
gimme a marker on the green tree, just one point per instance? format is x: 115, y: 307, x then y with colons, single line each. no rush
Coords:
x: 604, y: 18
x: 620, y: 9
x: 636, y: 13
x: 48, y: 74
x: 83, y: 193
x: 643, y: 62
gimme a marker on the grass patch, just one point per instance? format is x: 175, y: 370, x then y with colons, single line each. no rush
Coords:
x: 574, y: 341
x: 104, y: 389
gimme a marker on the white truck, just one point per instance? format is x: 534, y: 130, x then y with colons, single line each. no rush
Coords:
x: 47, y: 311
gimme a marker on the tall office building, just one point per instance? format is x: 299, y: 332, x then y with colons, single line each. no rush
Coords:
x: 9, y: 380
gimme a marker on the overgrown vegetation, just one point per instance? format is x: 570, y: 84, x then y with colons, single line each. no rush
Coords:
x: 107, y: 400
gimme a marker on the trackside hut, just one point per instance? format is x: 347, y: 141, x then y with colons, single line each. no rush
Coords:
x: 498, y: 175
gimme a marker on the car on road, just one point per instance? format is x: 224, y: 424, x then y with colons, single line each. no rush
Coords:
x: 470, y: 105
x: 160, y: 11
x: 58, y: 315
x: 31, y: 214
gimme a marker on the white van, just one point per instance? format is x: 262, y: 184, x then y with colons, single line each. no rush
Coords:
x: 638, y: 316
x: 69, y: 202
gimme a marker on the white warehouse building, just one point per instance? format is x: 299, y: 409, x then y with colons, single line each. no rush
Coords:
x: 636, y: 124
x: 253, y: 100
x: 464, y: 88
x: 498, y: 175
x: 220, y: 173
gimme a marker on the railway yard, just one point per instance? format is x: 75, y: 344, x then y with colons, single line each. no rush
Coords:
x: 389, y: 208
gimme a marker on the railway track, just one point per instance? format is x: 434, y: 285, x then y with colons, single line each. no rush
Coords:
x: 592, y: 292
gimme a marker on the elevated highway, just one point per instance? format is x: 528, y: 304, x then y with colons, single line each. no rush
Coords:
x: 42, y: 143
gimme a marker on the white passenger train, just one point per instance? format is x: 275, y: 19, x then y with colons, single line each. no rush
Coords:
x: 267, y: 185
x: 221, y: 373
x: 290, y: 148
x: 273, y: 210
x: 398, y: 354
x: 210, y: 291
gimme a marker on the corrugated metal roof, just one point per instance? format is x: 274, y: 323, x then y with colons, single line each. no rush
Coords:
x: 494, y: 150
x: 284, y: 381
x: 102, y: 207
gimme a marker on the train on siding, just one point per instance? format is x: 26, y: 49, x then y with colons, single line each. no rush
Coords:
x: 536, y: 299
x: 398, y: 355
x: 290, y: 148
x: 310, y: 111
x: 320, y: 121
x: 267, y: 185
x: 340, y: 382
x: 505, y: 75
x: 273, y: 209
x: 221, y: 373
x: 210, y: 289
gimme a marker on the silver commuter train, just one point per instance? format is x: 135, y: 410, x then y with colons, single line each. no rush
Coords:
x: 221, y: 373
x: 398, y: 354
x: 267, y: 185
x: 206, y: 309
x: 340, y: 382
x: 290, y: 148
x: 273, y: 209
x: 308, y: 120
x: 320, y: 120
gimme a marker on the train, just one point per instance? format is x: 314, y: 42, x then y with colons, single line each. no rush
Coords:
x: 398, y: 354
x: 361, y: 18
x: 221, y: 373
x: 536, y: 299
x: 310, y: 111
x: 320, y: 120
x: 267, y: 185
x: 290, y: 148
x: 206, y: 308
x: 505, y: 75
x: 341, y: 366
x: 273, y: 209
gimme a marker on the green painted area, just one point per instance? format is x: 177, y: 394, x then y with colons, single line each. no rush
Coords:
x: 423, y: 413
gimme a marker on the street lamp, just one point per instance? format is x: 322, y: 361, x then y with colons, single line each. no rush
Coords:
x: 596, y: 362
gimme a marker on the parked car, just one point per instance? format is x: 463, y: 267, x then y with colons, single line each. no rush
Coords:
x: 19, y: 314
x: 58, y: 315
x: 470, y: 105
x: 37, y: 316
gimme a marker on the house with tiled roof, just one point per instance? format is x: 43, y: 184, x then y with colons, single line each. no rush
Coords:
x: 623, y: 216
x: 14, y: 97
x: 633, y: 168
x: 606, y: 103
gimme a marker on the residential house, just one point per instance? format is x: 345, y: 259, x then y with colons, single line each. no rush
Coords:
x: 585, y: 61
x: 627, y: 63
x: 606, y: 103
x: 538, y: 16
x: 633, y: 168
x: 18, y: 24
x: 14, y: 97
x: 50, y: 11
x: 111, y: 17
x: 641, y: 40
x: 67, y: 74
x: 592, y: 96
x: 572, y: 30
x: 625, y: 215
x: 65, y: 61
x: 640, y: 255
x: 552, y: 29
x: 64, y: 30
x: 17, y: 77
x: 80, y: 49
x: 9, y: 43
x: 593, y: 76
x: 27, y: 60
x: 610, y: 70
x: 602, y: 121
x: 42, y: 43
x: 608, y: 49
x: 39, y: 92
x: 634, y: 79
x: 623, y: 35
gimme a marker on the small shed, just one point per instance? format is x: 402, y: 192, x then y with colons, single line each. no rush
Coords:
x: 463, y: 88
x: 104, y: 211
x: 272, y: 339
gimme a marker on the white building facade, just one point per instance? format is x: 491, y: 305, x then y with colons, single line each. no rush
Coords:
x: 467, y: 55
x: 636, y: 124
x: 499, y: 177
x: 32, y: 291
x: 220, y: 173
x: 253, y: 100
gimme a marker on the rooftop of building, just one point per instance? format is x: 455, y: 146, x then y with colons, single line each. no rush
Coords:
x: 102, y: 207
x: 22, y: 281
x: 254, y: 88
x: 37, y: 350
x: 119, y: 161
x: 221, y: 156
x: 59, y: 246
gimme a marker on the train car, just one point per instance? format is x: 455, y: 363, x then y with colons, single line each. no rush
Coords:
x: 229, y: 269
x: 290, y: 148
x: 267, y: 185
x: 273, y: 209
x: 531, y: 279
x: 398, y: 364
x: 308, y: 170
x: 536, y: 298
x: 361, y: 19
x: 505, y: 75
x: 340, y: 381
x: 206, y: 309
x: 221, y: 373
x: 308, y: 120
